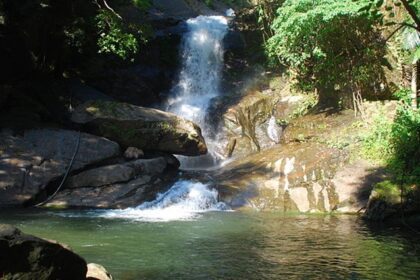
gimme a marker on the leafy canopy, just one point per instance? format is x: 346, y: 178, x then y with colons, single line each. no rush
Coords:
x: 326, y: 44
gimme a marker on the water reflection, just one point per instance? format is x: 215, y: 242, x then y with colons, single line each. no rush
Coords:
x: 235, y: 246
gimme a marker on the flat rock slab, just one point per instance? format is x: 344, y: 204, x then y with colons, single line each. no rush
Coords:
x: 107, y: 187
x: 29, y: 162
x: 116, y: 173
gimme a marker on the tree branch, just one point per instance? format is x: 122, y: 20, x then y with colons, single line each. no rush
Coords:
x: 412, y: 14
x: 402, y: 25
x: 109, y: 8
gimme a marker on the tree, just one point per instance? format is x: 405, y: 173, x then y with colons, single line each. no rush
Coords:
x: 48, y: 37
x: 330, y: 47
x: 409, y: 25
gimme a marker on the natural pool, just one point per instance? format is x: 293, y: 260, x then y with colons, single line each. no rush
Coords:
x: 232, y: 245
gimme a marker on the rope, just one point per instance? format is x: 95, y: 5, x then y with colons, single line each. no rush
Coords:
x: 65, y: 175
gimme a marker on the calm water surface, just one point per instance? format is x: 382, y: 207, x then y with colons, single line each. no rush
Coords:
x: 232, y: 245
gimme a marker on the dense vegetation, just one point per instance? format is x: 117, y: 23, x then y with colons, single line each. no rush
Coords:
x: 329, y: 46
x: 41, y: 37
x: 340, y: 51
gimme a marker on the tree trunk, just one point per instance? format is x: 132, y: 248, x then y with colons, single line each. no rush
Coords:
x: 414, y: 82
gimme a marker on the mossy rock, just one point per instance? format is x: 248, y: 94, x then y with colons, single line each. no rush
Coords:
x: 144, y: 128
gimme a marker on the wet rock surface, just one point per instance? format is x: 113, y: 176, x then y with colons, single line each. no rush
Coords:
x: 316, y: 168
x: 293, y: 178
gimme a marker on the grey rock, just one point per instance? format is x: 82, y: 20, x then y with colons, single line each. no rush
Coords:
x: 116, y: 173
x: 133, y: 153
x: 102, y: 176
x: 29, y: 162
x: 120, y: 195
x: 146, y: 182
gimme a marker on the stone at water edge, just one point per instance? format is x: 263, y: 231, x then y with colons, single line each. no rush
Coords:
x: 24, y: 256
x: 144, y: 128
x: 97, y: 272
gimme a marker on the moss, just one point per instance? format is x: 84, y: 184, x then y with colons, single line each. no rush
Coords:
x: 56, y: 206
x: 100, y: 107
x: 387, y: 191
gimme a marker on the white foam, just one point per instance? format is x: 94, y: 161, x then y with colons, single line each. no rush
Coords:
x: 230, y: 12
x: 185, y: 200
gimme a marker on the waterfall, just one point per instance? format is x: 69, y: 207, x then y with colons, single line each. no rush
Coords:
x: 199, y: 81
x: 185, y: 200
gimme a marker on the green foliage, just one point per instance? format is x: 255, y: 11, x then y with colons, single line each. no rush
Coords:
x: 328, y: 45
x: 209, y: 3
x: 405, y: 142
x: 142, y: 4
x: 304, y: 107
x: 387, y: 191
x: 376, y: 145
x: 112, y: 37
x: 384, y: 11
x: 397, y: 142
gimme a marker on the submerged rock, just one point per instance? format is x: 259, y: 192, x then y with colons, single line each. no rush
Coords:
x: 143, y: 128
x: 30, y: 162
x: 24, y: 256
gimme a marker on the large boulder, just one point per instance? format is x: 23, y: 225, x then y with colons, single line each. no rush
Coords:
x: 30, y: 162
x: 117, y: 186
x: 27, y: 257
x: 144, y: 128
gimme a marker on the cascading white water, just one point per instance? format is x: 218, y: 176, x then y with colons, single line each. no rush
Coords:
x: 272, y: 130
x: 199, y: 80
x: 185, y: 200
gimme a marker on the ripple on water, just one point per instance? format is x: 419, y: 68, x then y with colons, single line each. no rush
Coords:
x: 232, y: 245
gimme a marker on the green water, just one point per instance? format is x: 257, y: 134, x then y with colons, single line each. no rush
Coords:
x: 232, y: 245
